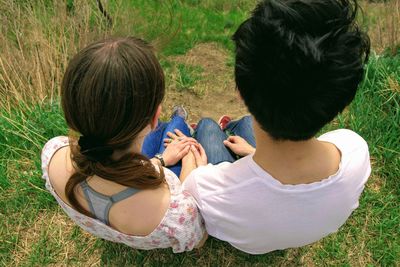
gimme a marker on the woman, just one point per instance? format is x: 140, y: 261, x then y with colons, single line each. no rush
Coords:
x: 111, y: 95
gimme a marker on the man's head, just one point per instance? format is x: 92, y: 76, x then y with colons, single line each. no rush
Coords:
x: 299, y: 63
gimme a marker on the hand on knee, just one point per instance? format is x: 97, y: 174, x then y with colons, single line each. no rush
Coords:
x: 239, y: 146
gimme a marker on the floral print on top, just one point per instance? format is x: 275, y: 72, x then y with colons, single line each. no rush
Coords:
x: 182, y: 227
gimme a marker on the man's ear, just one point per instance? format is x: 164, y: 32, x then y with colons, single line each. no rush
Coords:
x: 154, y: 121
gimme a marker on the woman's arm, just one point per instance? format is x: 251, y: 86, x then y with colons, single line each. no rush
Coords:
x: 188, y: 165
x: 195, y: 158
x: 175, y: 151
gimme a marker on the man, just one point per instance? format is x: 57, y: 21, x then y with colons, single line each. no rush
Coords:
x: 298, y: 64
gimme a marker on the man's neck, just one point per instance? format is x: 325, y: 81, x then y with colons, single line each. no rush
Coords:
x: 295, y: 162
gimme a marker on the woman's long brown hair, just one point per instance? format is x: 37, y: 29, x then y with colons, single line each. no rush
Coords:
x: 110, y: 92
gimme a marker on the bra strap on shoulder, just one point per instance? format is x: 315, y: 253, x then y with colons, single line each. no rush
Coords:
x: 124, y: 194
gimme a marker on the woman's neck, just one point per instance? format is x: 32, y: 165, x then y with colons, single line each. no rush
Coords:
x: 135, y: 147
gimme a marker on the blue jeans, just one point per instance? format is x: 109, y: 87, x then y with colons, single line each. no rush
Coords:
x: 211, y: 137
x: 153, y: 143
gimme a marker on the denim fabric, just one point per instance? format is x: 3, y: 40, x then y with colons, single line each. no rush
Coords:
x: 154, y: 141
x: 211, y: 137
x: 242, y: 128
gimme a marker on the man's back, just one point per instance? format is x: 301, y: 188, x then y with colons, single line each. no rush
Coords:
x: 245, y: 206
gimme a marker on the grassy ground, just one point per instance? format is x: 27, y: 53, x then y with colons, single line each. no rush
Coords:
x: 38, y: 37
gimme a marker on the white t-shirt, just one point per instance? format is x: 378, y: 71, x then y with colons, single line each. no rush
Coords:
x: 245, y: 206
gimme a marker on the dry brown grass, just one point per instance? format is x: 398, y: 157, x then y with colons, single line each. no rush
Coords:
x: 375, y: 183
x: 56, y: 228
x: 35, y: 47
x: 383, y: 21
x: 393, y: 84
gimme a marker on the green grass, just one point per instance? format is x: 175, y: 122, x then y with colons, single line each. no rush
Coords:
x: 187, y: 76
x: 179, y: 25
x: 29, y: 214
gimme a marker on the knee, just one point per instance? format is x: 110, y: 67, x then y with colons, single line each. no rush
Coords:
x: 247, y: 119
x: 207, y: 124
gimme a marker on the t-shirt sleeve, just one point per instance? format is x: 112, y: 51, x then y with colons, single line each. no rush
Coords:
x: 196, y: 186
x: 347, y: 140
x: 190, y: 185
x: 355, y: 159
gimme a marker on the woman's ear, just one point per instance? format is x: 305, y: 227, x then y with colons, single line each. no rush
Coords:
x: 154, y: 121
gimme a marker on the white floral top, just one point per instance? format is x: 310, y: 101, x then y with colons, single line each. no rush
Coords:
x: 182, y: 227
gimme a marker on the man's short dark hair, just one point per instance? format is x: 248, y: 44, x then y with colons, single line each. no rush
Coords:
x: 299, y: 63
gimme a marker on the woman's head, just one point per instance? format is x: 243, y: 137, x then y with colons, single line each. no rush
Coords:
x: 111, y: 92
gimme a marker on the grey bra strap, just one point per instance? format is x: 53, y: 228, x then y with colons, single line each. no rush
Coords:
x: 85, y: 189
x: 100, y: 204
x: 124, y: 194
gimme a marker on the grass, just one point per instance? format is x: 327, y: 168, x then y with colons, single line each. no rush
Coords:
x: 187, y: 76
x: 382, y: 22
x: 36, y: 42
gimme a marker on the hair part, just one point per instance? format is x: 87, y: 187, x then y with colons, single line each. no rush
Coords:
x: 299, y: 63
x: 110, y: 92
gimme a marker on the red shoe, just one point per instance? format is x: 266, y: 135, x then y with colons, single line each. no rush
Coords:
x: 223, y: 121
x: 193, y: 126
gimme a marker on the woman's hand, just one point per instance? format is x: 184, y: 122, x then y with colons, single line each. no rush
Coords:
x: 239, y: 146
x: 177, y: 147
x: 194, y: 158
x: 199, y: 155
x: 176, y: 136
x: 189, y: 160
